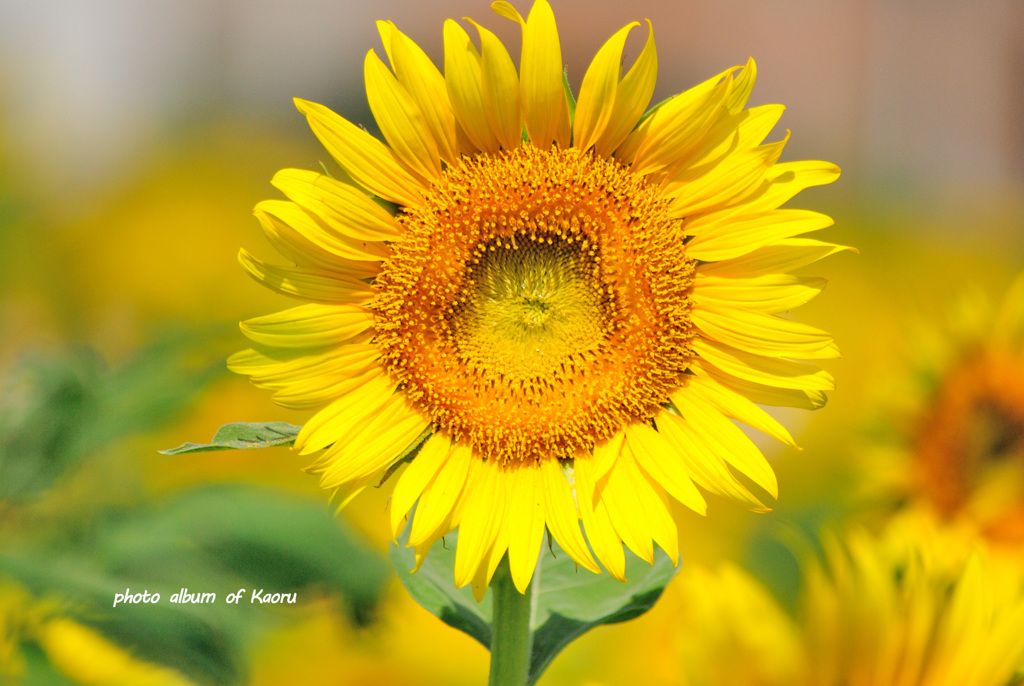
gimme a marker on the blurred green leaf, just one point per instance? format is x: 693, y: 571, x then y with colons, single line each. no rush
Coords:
x: 214, y: 540
x: 569, y: 601
x: 56, y: 410
x: 243, y: 436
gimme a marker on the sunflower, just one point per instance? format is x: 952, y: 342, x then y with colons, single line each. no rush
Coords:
x: 556, y: 306
x: 952, y: 435
x: 921, y: 604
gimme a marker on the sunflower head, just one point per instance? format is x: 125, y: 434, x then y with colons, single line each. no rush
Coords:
x: 563, y: 307
x: 957, y: 441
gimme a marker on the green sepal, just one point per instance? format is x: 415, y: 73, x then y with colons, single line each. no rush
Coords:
x: 569, y: 96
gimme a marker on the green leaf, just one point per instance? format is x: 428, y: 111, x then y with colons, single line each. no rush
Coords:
x: 243, y: 436
x: 213, y: 540
x: 573, y: 601
x: 57, y: 410
x: 570, y: 601
x: 433, y: 587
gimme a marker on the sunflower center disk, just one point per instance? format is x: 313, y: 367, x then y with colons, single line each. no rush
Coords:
x: 527, y: 306
x: 538, y: 302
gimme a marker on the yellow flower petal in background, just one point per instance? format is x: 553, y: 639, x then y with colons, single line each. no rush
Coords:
x: 89, y: 658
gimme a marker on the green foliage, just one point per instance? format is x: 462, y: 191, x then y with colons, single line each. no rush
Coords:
x: 570, y: 601
x: 243, y: 436
x: 55, y: 411
x: 60, y: 411
x: 216, y: 539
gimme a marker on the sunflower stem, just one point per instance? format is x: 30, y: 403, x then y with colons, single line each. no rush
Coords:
x: 511, y: 637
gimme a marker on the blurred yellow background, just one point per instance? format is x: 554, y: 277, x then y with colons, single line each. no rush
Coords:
x: 135, y: 138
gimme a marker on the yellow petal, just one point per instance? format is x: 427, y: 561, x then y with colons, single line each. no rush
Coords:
x: 545, y: 108
x: 760, y: 393
x: 304, y: 283
x: 726, y: 184
x: 309, y: 381
x: 741, y: 89
x: 345, y: 494
x: 725, y: 236
x: 562, y: 515
x: 400, y: 120
x: 782, y: 256
x: 737, y: 406
x: 705, y: 466
x: 662, y: 462
x: 337, y: 421
x: 279, y: 369
x: 462, y: 77
x: 772, y: 293
x: 425, y: 85
x: 345, y: 209
x: 492, y: 558
x: 656, y: 509
x: 525, y: 522
x: 368, y: 161
x: 727, y: 440
x: 439, y: 497
x: 499, y: 90
x: 785, y: 180
x: 303, y: 252
x: 676, y: 126
x: 631, y: 98
x: 627, y: 510
x: 741, y: 131
x: 308, y: 326
x: 605, y: 543
x: 313, y: 394
x: 768, y: 371
x: 764, y: 334
x: 481, y: 519
x: 320, y: 234
x: 416, y: 476
x: 377, y: 444
x: 605, y: 455
x: 596, y: 103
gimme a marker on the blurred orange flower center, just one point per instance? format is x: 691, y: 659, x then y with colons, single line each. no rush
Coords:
x: 538, y: 302
x: 976, y: 422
